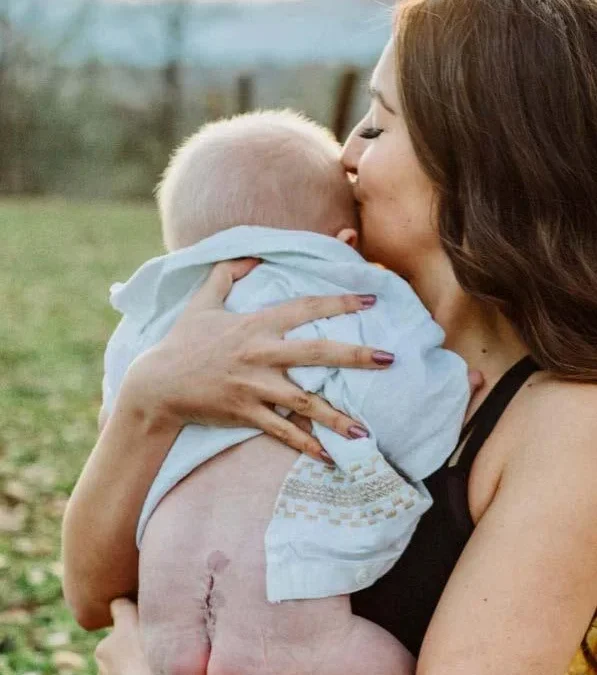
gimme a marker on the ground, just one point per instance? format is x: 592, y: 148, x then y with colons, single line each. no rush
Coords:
x: 58, y: 260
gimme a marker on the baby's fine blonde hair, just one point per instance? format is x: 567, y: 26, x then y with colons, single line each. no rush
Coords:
x: 273, y: 168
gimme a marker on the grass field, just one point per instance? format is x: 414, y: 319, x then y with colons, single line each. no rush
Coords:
x: 57, y: 262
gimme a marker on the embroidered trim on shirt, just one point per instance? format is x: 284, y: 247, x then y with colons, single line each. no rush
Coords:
x: 345, y: 496
x: 368, y: 493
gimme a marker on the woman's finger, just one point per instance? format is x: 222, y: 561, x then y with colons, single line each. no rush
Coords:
x: 321, y: 411
x: 311, y: 406
x: 121, y: 652
x: 219, y: 283
x: 289, y: 315
x: 289, y: 434
x: 292, y: 353
x: 301, y: 422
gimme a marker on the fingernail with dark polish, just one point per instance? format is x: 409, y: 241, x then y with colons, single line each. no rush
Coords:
x: 326, y: 458
x: 383, y: 358
x: 368, y: 300
x: 358, y: 432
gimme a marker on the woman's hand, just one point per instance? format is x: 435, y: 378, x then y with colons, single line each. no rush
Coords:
x: 121, y: 653
x: 226, y: 369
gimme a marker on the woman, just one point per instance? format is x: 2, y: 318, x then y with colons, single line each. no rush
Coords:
x: 476, y: 172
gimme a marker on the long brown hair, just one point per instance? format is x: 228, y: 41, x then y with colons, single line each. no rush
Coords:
x: 500, y: 98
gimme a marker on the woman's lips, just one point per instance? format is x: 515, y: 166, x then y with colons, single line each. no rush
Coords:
x: 356, y: 188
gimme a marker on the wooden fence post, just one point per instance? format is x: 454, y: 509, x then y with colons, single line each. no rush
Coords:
x: 245, y: 94
x: 344, y: 102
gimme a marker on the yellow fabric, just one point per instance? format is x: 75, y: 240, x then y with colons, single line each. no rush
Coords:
x: 579, y: 665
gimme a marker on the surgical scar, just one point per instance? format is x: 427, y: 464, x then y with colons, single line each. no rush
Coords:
x: 212, y: 599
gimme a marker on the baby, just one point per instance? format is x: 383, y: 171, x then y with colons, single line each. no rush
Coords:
x: 236, y: 522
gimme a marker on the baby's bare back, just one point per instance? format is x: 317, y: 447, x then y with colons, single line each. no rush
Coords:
x: 202, y: 583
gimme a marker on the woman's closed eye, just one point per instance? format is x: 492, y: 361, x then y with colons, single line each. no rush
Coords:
x: 369, y: 133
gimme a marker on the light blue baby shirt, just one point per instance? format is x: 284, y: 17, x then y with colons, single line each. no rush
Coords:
x: 333, y: 530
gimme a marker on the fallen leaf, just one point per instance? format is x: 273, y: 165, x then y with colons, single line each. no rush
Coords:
x: 36, y: 576
x: 56, y: 568
x: 16, y: 617
x: 17, y: 491
x: 39, y: 474
x: 12, y: 520
x: 28, y: 546
x: 68, y: 661
x: 58, y: 639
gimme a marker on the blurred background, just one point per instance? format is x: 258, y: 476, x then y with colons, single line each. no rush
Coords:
x: 94, y: 95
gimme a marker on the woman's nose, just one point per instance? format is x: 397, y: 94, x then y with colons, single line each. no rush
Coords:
x: 353, y: 150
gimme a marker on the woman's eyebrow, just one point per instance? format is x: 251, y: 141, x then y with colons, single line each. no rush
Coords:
x: 375, y: 93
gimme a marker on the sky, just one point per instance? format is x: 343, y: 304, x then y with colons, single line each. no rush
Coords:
x: 278, y: 32
x: 253, y: 2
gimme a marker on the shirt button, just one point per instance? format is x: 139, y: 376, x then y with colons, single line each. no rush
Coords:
x: 362, y: 576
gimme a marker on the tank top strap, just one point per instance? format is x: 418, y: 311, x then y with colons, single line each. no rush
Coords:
x: 477, y: 430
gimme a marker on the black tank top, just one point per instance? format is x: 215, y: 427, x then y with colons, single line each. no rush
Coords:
x: 403, y: 601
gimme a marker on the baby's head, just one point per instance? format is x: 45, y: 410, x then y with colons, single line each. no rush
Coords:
x: 275, y: 169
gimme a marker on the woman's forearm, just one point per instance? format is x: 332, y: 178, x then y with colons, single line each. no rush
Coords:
x: 99, y: 550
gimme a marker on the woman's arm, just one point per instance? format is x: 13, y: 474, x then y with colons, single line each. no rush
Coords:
x: 524, y: 590
x: 99, y: 551
x: 214, y: 367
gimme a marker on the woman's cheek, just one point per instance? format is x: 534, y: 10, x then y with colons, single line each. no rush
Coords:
x: 377, y: 239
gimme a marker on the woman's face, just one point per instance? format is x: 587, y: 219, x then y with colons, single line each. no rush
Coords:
x: 395, y: 196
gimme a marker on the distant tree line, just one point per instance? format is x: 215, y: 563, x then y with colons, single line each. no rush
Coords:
x: 65, y: 130
x: 57, y: 125
x: 38, y: 133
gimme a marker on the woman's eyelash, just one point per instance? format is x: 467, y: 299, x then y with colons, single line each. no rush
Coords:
x: 370, y: 133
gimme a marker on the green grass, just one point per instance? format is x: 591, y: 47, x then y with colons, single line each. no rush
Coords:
x: 57, y: 261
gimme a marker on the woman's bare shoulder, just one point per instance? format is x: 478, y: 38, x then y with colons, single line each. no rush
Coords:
x: 548, y: 412
x: 561, y: 413
x: 549, y: 428
x: 556, y: 434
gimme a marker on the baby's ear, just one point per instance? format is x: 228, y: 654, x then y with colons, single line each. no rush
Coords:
x: 348, y: 236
